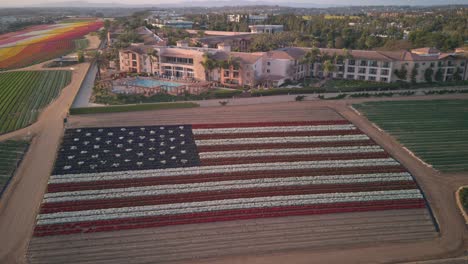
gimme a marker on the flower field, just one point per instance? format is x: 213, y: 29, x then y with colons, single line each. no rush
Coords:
x: 40, y: 43
x: 436, y: 131
x: 23, y: 94
x: 11, y: 154
x: 120, y: 178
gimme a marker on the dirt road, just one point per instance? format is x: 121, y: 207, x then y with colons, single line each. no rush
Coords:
x: 20, y: 202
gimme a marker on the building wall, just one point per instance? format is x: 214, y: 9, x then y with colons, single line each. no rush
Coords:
x: 252, y: 74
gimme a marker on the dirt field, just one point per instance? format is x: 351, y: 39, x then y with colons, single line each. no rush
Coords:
x: 22, y: 200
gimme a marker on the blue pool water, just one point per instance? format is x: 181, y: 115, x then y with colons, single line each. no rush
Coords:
x: 153, y: 83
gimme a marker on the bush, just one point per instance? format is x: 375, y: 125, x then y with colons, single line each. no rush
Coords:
x: 300, y: 98
x: 339, y: 96
x: 280, y: 91
x: 129, y: 108
x: 223, y: 103
x: 464, y: 197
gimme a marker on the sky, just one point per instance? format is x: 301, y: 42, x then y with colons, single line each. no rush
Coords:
x: 27, y: 3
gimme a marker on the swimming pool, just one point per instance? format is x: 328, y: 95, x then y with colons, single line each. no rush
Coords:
x: 152, y: 83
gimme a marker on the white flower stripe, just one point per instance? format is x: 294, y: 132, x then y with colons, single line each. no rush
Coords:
x: 274, y: 166
x: 210, y: 131
x: 228, y: 204
x: 222, y: 185
x: 243, y: 141
x: 287, y: 152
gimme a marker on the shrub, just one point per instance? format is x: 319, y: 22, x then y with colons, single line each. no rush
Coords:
x: 223, y: 103
x: 300, y: 98
x: 464, y: 197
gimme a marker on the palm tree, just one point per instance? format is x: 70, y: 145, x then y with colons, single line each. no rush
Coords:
x: 99, y: 59
x: 328, y: 67
x: 152, y: 54
x: 310, y: 58
x: 209, y: 64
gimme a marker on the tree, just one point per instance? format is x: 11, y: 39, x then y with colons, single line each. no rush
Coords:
x: 339, y: 43
x: 208, y: 64
x: 310, y: 58
x: 99, y: 60
x: 328, y: 67
x: 414, y: 74
x: 80, y: 55
x: 439, y: 76
x: 152, y: 55
x: 457, y: 75
x: 428, y: 74
x: 402, y: 73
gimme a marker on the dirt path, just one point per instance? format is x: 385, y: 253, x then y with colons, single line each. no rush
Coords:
x: 20, y: 202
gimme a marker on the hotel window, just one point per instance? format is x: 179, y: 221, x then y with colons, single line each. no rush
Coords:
x: 362, y: 70
x: 133, y: 56
x: 268, y: 63
x: 235, y: 75
x: 134, y: 64
x: 450, y: 63
x: 373, y: 71
x: 350, y: 69
x: 383, y: 79
x: 450, y: 71
x: 352, y: 62
x: 361, y: 77
x: 416, y: 65
x: 349, y: 76
x: 363, y: 63
x: 340, y: 68
x: 432, y: 64
x: 373, y: 63
x: 226, y: 73
x: 340, y: 75
x: 462, y: 63
x: 384, y: 72
x: 268, y: 70
x: 371, y: 78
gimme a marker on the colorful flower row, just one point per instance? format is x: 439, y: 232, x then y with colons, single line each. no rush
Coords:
x: 79, y: 205
x: 217, y: 216
x: 274, y: 166
x: 222, y: 186
x: 228, y: 204
x: 96, y: 185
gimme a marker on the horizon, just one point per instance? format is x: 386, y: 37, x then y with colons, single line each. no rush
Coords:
x: 204, y: 3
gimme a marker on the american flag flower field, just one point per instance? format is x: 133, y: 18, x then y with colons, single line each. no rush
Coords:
x: 122, y: 178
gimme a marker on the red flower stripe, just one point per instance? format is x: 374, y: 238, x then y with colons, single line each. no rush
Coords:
x: 286, y: 145
x: 226, y: 215
x: 292, y: 158
x: 268, y: 124
x: 97, y: 185
x: 279, y: 134
x: 225, y: 194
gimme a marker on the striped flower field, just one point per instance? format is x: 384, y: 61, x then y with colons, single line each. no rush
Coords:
x: 36, y: 44
x: 109, y: 179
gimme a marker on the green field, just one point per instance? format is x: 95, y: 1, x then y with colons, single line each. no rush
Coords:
x: 80, y: 44
x: 436, y: 131
x: 11, y: 153
x: 23, y: 94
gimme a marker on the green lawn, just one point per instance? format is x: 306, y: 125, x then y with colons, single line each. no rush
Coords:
x: 23, y: 94
x: 436, y: 131
x: 11, y: 153
x: 129, y: 108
